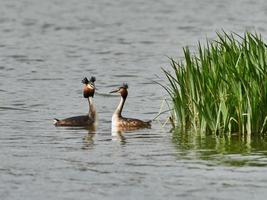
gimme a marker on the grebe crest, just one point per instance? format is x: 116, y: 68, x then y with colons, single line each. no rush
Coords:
x: 89, y: 88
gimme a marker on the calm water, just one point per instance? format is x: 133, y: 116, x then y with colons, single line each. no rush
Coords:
x: 47, y: 47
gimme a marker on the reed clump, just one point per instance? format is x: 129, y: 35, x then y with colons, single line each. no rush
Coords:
x: 222, y: 88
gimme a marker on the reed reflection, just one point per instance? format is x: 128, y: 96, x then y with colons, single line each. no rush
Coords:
x: 234, y: 150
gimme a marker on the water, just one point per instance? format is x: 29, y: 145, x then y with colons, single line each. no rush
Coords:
x: 47, y: 47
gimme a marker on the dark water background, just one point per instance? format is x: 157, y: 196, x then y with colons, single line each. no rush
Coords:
x: 47, y: 47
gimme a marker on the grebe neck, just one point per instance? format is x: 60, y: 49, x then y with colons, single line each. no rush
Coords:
x: 92, y: 110
x: 120, y: 107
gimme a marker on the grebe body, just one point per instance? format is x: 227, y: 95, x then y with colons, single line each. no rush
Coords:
x: 123, y: 123
x: 83, y: 120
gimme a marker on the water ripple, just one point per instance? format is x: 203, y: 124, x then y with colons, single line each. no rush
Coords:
x: 14, y: 108
x: 47, y: 46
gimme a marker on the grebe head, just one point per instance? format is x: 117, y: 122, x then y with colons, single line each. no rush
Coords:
x: 89, y: 88
x: 122, y: 90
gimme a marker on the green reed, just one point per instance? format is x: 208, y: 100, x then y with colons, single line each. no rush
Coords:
x: 223, y: 87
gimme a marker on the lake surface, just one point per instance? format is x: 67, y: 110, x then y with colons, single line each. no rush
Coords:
x: 47, y: 47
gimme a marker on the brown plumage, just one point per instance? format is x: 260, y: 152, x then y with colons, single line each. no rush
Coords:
x: 83, y: 120
x: 122, y: 123
x: 87, y: 91
x: 132, y: 124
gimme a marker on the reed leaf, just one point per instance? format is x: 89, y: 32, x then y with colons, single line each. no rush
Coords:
x: 223, y: 87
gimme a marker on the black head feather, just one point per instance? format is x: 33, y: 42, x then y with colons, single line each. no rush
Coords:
x: 125, y: 85
x: 85, y: 81
x: 92, y: 79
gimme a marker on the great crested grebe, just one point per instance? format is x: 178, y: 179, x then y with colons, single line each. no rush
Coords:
x: 122, y: 123
x: 83, y: 120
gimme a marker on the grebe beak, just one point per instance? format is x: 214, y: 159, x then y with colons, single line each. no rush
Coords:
x: 114, y: 91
